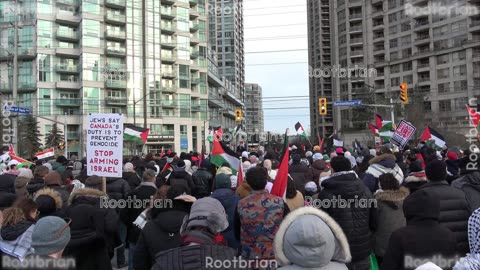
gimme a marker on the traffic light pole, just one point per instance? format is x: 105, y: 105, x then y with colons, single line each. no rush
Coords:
x: 392, y: 108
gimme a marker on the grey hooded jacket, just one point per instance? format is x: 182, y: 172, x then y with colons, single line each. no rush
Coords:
x: 309, y: 238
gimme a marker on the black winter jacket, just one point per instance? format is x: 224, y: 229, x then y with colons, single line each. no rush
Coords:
x: 133, y: 179
x: 470, y: 184
x: 356, y: 222
x: 299, y: 172
x: 180, y: 176
x: 203, y: 181
x: 117, y: 188
x: 229, y: 201
x: 35, y: 185
x: 454, y: 212
x: 92, y: 230
x: 160, y: 234
x: 128, y: 215
x: 422, y: 238
x: 64, y: 194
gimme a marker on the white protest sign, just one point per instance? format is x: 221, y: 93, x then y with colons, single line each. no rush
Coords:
x: 105, y: 145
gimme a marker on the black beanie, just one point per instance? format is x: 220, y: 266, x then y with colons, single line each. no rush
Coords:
x: 436, y: 170
x: 421, y: 205
x: 46, y: 205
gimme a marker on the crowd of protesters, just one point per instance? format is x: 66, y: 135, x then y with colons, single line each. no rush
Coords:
x: 399, y: 208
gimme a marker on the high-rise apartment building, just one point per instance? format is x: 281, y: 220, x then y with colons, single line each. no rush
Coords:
x: 395, y: 41
x: 145, y: 59
x: 253, y: 114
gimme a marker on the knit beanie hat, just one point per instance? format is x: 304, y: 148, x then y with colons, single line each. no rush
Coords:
x: 53, y: 178
x: 311, y: 187
x: 206, y: 212
x: 308, y: 154
x: 452, y: 156
x: 436, y: 170
x: 50, y: 235
x: 223, y: 181
x: 94, y: 182
x: 317, y: 156
x: 46, y: 205
x: 373, y: 152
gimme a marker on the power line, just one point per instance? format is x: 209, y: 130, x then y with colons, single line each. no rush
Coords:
x: 280, y: 25
x: 246, y: 9
x: 278, y: 13
x: 277, y: 51
x: 275, y: 64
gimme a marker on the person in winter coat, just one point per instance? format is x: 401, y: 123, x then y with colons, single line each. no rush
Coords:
x: 416, y: 178
x: 53, y: 180
x: 385, y: 163
x: 357, y: 221
x: 294, y: 198
x: 469, y: 180
x: 17, y: 228
x: 38, y: 181
x: 162, y: 232
x: 267, y: 164
x: 131, y: 176
x: 390, y: 199
x: 472, y: 260
x: 244, y: 190
x: 401, y: 163
x: 260, y: 215
x: 203, y: 180
x: 92, y: 228
x: 49, y: 203
x: 453, y: 166
x: 128, y: 215
x: 50, y: 237
x: 21, y: 186
x: 201, y: 241
x: 309, y: 238
x: 181, y: 176
x: 454, y: 211
x: 317, y: 170
x: 298, y: 172
x: 229, y: 200
x: 60, y: 164
x: 7, y: 191
x: 423, y: 237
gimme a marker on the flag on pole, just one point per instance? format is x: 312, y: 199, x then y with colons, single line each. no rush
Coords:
x: 221, y: 154
x: 21, y: 162
x: 373, y: 128
x: 378, y: 121
x: 432, y: 135
x: 386, y: 131
x: 136, y: 134
x: 240, y: 175
x: 11, y: 151
x: 201, y: 156
x: 320, y: 142
x: 474, y: 116
x: 300, y: 130
x: 337, y: 141
x: 279, y: 187
x: 46, y: 154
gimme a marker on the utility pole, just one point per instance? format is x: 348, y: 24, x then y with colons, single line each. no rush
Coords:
x: 15, y: 72
x: 65, y: 135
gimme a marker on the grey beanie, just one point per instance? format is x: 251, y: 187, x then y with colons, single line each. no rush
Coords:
x: 206, y: 212
x: 50, y: 235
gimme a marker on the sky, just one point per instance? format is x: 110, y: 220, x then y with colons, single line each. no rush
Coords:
x: 277, y: 80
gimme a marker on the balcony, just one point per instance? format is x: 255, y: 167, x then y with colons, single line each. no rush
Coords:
x: 115, y: 67
x: 68, y: 18
x: 355, y: 17
x: 378, y: 25
x: 474, y: 25
x: 169, y: 104
x: 355, y: 29
x: 193, y: 2
x: 116, y: 51
x: 356, y: 53
x: 116, y: 101
x: 67, y: 68
x: 120, y: 4
x: 168, y: 44
x: 229, y: 112
x: 215, y: 102
x: 68, y: 36
x: 420, y: 24
x: 68, y: 52
x: 115, y: 18
x: 68, y: 85
x: 169, y: 74
x: 196, y: 81
x: 167, y: 28
x: 168, y: 14
x: 169, y: 89
x: 116, y: 84
x: 5, y: 54
x: 68, y: 102
x: 68, y: 2
x: 423, y: 65
x: 356, y: 41
x: 197, y: 108
x: 115, y: 35
x: 168, y: 2
x: 194, y: 27
x: 194, y: 40
x: 194, y: 54
x: 26, y: 53
x: 194, y: 13
x: 169, y: 59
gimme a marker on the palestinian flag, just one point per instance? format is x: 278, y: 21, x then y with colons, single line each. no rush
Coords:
x: 214, y: 133
x: 240, y: 175
x: 136, y: 134
x: 21, y: 162
x: 386, y: 131
x: 45, y: 154
x: 237, y: 129
x: 337, y: 141
x: 222, y: 154
x: 474, y: 116
x: 378, y: 121
x: 11, y: 151
x: 279, y: 187
x: 320, y: 143
x: 300, y: 130
x: 373, y: 128
x: 432, y: 135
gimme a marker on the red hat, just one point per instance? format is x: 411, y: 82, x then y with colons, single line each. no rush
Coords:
x: 452, y: 156
x: 339, y: 150
x: 194, y: 159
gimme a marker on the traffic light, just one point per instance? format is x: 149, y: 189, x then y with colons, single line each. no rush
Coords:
x: 238, y: 115
x: 322, y: 106
x: 404, y: 93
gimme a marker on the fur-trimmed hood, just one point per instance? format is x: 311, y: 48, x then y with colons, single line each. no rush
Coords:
x: 88, y: 193
x: 50, y: 193
x: 392, y: 195
x: 383, y: 157
x: 310, y: 238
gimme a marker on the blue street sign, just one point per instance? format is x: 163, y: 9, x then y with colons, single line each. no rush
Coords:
x: 184, y: 144
x: 347, y: 103
x: 15, y: 109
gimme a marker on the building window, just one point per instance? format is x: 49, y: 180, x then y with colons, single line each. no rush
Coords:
x: 407, y: 66
x: 445, y: 105
x: 442, y: 73
x: 393, y: 43
x: 460, y: 86
x: 443, y: 87
x: 460, y: 103
x: 427, y: 106
x: 442, y: 59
